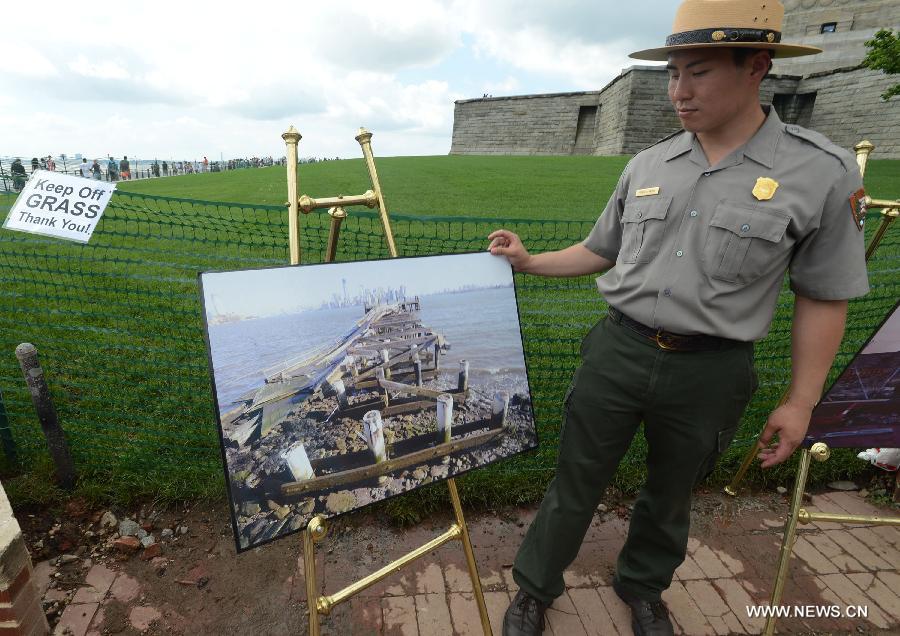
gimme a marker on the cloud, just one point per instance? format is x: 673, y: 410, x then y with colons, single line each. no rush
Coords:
x: 180, y: 78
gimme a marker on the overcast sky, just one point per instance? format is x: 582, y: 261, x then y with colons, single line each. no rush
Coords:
x: 270, y: 292
x: 189, y: 79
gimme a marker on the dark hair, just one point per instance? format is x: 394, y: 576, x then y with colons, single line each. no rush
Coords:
x: 742, y: 53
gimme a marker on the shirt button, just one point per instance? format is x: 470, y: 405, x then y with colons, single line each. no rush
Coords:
x: 640, y: 214
x: 745, y: 228
x: 679, y: 253
x: 667, y: 292
x: 693, y: 212
x: 706, y: 174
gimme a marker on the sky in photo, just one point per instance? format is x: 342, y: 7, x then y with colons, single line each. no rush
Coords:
x: 269, y: 292
x: 188, y: 79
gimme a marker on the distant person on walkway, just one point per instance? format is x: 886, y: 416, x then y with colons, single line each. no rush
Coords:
x: 125, y: 168
x: 205, y: 164
x: 85, y: 169
x: 18, y: 174
x: 35, y: 164
x: 165, y: 168
x: 51, y: 165
x: 112, y: 169
x: 95, y: 169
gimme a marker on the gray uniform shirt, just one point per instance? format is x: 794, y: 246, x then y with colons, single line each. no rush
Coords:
x: 697, y: 253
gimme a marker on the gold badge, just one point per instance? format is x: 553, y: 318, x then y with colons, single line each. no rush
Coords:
x: 765, y: 188
x: 771, y: 37
x: 718, y: 36
x: 646, y: 192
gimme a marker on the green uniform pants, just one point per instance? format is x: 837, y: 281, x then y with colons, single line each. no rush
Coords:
x: 690, y: 403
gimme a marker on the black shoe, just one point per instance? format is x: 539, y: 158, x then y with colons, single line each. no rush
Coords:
x: 648, y: 618
x: 525, y: 616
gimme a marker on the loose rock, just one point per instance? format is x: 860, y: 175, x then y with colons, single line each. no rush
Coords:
x: 127, y: 545
x: 129, y: 528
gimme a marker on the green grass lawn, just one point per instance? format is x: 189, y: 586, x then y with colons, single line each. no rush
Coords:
x: 118, y: 321
x: 491, y: 187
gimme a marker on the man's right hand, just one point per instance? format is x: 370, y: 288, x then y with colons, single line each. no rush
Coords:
x: 508, y: 244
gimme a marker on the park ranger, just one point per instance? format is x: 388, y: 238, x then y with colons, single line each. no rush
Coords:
x: 693, y: 246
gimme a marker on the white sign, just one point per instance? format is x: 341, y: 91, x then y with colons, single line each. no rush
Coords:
x: 60, y: 205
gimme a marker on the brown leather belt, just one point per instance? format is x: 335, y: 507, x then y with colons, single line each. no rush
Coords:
x: 671, y: 341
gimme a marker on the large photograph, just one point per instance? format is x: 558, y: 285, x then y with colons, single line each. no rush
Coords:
x: 862, y: 407
x: 343, y: 384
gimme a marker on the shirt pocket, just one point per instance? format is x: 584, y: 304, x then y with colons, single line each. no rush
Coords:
x: 744, y: 242
x: 643, y: 226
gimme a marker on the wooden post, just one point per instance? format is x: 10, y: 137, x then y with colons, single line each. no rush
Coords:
x: 337, y: 387
x: 437, y: 356
x: 463, y: 384
x: 385, y: 356
x: 417, y: 365
x: 298, y: 463
x: 499, y: 410
x: 379, y: 375
x: 350, y: 361
x: 444, y: 418
x: 43, y: 404
x: 374, y: 435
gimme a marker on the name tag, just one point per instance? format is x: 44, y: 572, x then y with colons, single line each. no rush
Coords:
x: 646, y: 192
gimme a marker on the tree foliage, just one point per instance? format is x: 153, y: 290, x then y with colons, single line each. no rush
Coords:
x: 884, y: 54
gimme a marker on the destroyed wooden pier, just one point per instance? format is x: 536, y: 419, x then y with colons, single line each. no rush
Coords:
x: 384, y: 362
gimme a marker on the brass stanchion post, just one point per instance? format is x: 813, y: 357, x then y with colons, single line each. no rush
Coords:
x: 291, y: 139
x: 365, y: 141
x: 821, y: 453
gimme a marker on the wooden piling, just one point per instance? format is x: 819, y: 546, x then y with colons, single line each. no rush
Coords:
x: 463, y: 384
x: 444, y: 417
x: 499, y: 410
x: 46, y: 412
x: 374, y: 435
x: 340, y: 391
x: 385, y: 356
x: 417, y: 365
x: 437, y: 356
x: 298, y: 463
x: 379, y: 376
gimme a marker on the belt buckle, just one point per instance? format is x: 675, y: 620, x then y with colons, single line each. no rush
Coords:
x: 660, y: 343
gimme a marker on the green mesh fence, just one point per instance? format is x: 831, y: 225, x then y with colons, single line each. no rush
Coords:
x: 117, y: 324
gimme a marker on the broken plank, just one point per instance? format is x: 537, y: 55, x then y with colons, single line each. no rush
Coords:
x: 388, y: 466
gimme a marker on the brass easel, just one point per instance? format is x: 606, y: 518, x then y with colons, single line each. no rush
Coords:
x: 820, y: 452
x: 890, y: 211
x: 317, y: 529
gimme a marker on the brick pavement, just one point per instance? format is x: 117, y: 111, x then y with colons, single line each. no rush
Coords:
x: 730, y: 564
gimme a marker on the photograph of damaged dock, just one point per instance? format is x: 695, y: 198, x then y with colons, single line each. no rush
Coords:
x: 330, y: 400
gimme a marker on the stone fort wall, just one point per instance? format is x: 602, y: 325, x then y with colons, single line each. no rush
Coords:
x: 828, y: 92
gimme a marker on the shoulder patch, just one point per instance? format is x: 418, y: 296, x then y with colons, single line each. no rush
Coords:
x: 823, y: 143
x: 666, y: 138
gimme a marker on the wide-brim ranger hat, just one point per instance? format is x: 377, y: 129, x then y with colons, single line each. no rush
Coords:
x: 727, y: 23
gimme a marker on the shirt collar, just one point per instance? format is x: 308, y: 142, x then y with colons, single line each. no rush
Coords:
x: 761, y: 146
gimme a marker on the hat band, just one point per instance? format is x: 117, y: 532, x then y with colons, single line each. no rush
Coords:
x: 718, y: 36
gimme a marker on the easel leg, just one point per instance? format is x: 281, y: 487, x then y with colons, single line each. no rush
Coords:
x: 787, y: 544
x: 470, y: 557
x: 309, y: 567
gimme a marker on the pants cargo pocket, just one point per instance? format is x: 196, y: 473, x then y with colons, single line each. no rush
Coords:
x: 723, y: 440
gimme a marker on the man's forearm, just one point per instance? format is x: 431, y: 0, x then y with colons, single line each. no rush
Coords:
x: 815, y: 339
x: 576, y: 260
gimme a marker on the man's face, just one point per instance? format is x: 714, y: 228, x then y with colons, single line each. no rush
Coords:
x: 708, y: 90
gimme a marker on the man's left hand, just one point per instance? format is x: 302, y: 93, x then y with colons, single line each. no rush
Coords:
x: 789, y: 421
